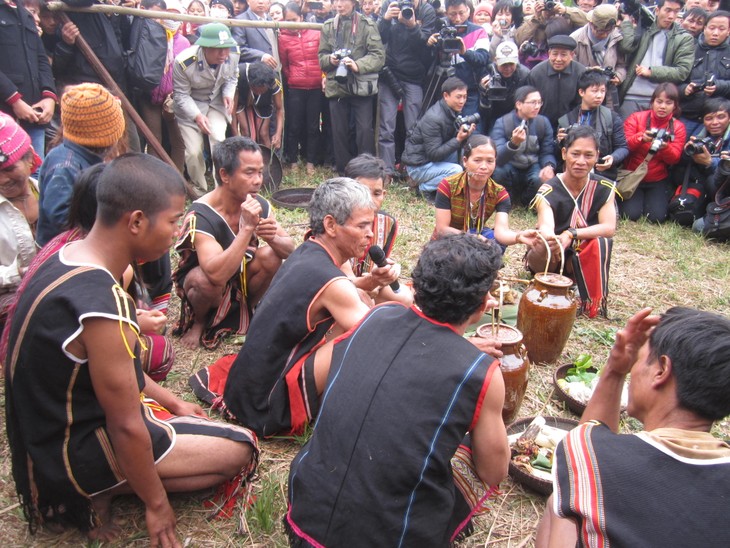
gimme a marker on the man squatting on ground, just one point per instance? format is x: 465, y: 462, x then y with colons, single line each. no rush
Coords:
x: 222, y: 273
x: 77, y: 429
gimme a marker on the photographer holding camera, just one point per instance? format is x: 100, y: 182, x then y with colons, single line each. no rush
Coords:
x: 351, y: 55
x: 700, y: 159
x: 654, y: 131
x: 431, y: 152
x: 710, y: 76
x: 471, y: 60
x: 497, y: 89
x: 405, y: 27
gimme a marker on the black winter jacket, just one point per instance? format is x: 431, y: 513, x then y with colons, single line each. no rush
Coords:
x: 433, y: 138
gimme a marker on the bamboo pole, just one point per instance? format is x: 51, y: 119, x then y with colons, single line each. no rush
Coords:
x: 112, y: 86
x: 121, y: 10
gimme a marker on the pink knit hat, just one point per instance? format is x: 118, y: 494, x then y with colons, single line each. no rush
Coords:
x: 14, y: 143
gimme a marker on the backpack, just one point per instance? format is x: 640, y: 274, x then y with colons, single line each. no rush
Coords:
x: 686, y: 198
x: 147, y: 58
x: 717, y: 218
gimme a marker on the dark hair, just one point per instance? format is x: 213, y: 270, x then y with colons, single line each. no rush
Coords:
x: 453, y: 275
x: 698, y: 13
x: 226, y: 4
x: 337, y: 197
x: 367, y: 166
x: 661, y: 3
x: 509, y: 5
x: 592, y: 77
x: 453, y: 83
x: 580, y: 132
x: 450, y: 3
x: 294, y: 8
x: 476, y: 140
x: 148, y: 4
x: 672, y: 93
x: 226, y: 155
x: 713, y: 15
x: 522, y: 93
x: 136, y: 181
x: 715, y: 104
x: 82, y: 211
x: 260, y: 75
x: 698, y: 344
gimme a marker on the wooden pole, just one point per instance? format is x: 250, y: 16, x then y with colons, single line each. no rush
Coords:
x: 112, y: 86
x: 120, y: 10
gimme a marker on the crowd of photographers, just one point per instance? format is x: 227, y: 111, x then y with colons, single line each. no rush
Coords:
x: 410, y: 80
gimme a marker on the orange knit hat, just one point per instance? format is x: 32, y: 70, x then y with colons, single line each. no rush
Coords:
x: 91, y: 116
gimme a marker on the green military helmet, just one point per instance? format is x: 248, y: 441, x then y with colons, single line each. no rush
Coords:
x: 215, y: 35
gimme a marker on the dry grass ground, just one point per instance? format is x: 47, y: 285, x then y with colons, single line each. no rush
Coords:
x: 658, y: 266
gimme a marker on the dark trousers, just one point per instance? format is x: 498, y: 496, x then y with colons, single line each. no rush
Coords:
x: 362, y: 109
x: 521, y: 184
x: 650, y: 200
x: 302, y: 117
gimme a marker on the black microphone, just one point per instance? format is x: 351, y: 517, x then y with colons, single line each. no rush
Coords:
x: 378, y: 257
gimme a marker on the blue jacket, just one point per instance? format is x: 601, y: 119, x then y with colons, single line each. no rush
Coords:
x: 57, y: 177
x: 538, y: 148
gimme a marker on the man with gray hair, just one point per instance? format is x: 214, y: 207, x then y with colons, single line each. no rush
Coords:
x: 275, y: 381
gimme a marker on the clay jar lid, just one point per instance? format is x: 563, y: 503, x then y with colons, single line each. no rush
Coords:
x: 554, y: 280
x: 506, y: 335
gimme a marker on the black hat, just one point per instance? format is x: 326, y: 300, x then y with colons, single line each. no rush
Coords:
x: 562, y: 41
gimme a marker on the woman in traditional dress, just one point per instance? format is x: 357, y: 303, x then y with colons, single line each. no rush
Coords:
x: 467, y: 200
x: 576, y: 212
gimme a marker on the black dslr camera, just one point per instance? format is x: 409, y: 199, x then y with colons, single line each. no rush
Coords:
x: 529, y: 49
x: 466, y: 121
x: 700, y: 85
x: 609, y: 72
x: 638, y: 11
x: 495, y: 91
x: 550, y: 5
x: 341, y: 71
x: 660, y: 136
x: 406, y: 8
x: 695, y: 147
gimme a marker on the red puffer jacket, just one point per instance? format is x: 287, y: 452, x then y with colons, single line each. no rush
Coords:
x: 658, y: 169
x: 299, y: 60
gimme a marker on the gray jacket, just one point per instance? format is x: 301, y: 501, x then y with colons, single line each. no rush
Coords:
x: 198, y: 87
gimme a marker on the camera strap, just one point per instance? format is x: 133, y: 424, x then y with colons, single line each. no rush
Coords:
x: 670, y: 127
x: 339, y: 40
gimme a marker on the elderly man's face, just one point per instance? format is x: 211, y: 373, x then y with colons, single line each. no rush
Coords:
x: 356, y: 235
x: 559, y: 58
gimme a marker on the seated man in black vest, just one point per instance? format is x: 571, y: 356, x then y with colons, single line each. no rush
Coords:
x: 616, y: 489
x: 403, y: 387
x: 274, y: 383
